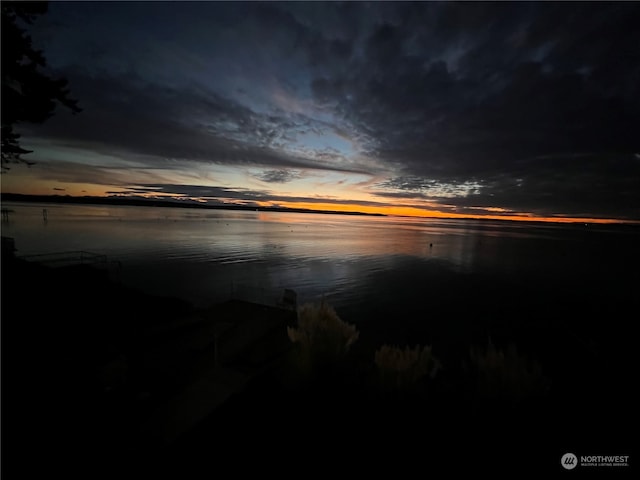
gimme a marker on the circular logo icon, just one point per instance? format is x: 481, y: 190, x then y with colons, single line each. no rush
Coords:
x: 569, y: 461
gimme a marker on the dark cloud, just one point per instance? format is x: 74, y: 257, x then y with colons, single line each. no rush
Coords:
x: 243, y: 195
x: 278, y: 176
x: 538, y: 103
x: 197, y: 191
x: 127, y: 115
x: 576, y: 185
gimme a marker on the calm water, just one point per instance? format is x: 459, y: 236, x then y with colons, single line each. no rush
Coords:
x: 202, y: 255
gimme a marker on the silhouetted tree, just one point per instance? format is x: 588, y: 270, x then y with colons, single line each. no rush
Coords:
x: 29, y: 94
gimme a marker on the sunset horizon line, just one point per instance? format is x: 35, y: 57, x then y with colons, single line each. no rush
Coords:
x: 319, y: 207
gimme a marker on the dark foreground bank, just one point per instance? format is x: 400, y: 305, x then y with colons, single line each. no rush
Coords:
x: 101, y: 379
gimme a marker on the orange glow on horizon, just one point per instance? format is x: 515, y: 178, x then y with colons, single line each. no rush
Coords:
x: 79, y: 190
x: 418, y: 212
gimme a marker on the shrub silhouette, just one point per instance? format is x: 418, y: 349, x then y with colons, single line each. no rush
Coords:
x: 321, y: 335
x: 506, y: 374
x: 404, y: 367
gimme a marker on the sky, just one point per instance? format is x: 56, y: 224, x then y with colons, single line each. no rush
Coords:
x: 504, y: 110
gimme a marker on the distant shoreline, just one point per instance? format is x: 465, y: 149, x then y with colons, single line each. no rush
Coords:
x: 132, y: 202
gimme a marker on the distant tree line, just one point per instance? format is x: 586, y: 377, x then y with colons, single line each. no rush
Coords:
x: 148, y: 202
